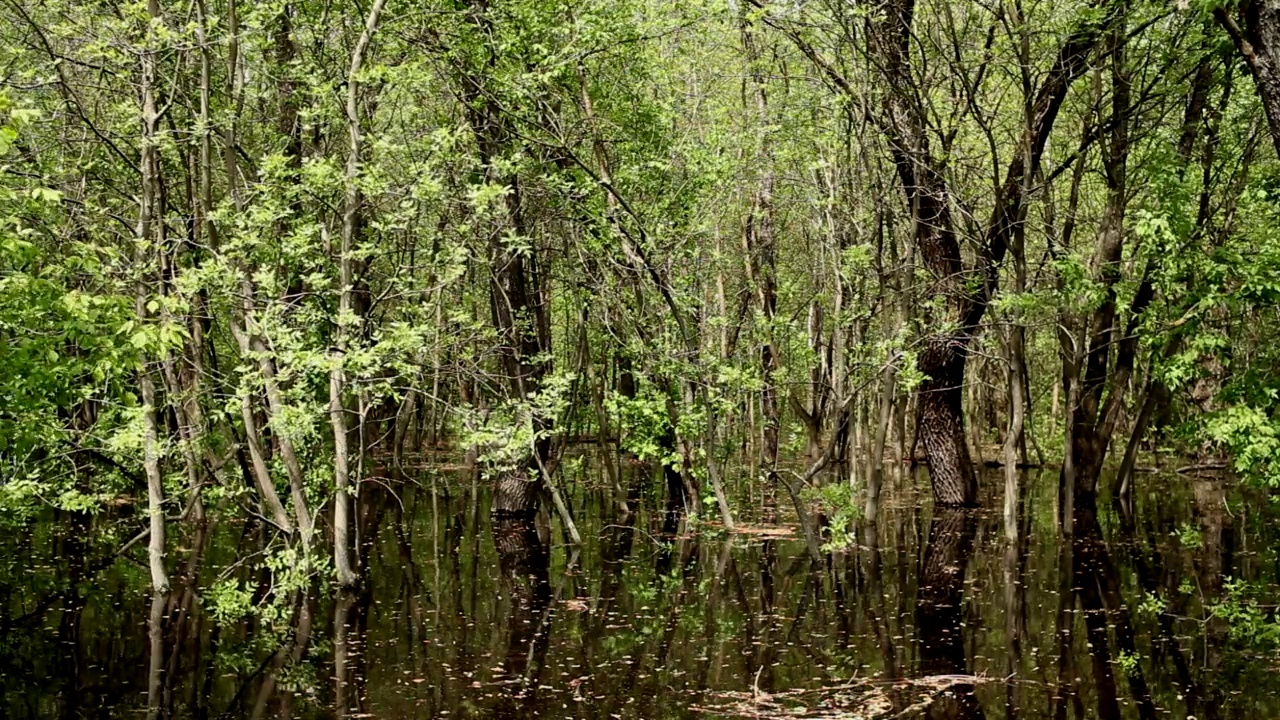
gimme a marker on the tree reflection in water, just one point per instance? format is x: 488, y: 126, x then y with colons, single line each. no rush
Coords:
x: 939, y: 612
x: 524, y: 560
x: 942, y: 616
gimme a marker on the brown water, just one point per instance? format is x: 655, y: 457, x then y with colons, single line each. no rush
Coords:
x: 933, y: 615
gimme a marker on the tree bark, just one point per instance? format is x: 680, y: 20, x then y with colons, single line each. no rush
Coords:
x: 905, y: 124
x: 1254, y: 28
x: 940, y: 425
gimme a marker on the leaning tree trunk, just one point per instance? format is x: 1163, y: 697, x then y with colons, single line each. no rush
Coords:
x: 1254, y: 27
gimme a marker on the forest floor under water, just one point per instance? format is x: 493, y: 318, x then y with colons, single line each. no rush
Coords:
x: 938, y: 614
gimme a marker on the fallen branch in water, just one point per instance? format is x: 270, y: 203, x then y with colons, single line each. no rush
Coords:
x: 857, y: 700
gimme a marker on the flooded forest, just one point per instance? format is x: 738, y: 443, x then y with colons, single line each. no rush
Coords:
x: 646, y: 359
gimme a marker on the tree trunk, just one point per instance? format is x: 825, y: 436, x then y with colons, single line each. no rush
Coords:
x: 149, y: 227
x: 155, y: 483
x: 1013, y: 440
x: 516, y: 294
x: 1254, y: 27
x: 276, y: 405
x: 761, y: 253
x: 1094, y: 415
x: 940, y: 425
x: 875, y: 477
x: 257, y: 455
x: 337, y: 377
x: 922, y: 176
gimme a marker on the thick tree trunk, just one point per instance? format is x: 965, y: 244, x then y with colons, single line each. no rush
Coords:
x: 516, y: 494
x: 1254, y: 27
x: 940, y: 425
x: 923, y: 179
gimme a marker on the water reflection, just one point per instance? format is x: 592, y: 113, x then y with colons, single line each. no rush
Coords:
x: 526, y: 588
x: 930, y: 614
x: 939, y: 614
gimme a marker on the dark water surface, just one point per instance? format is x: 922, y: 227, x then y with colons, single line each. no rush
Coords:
x: 933, y: 615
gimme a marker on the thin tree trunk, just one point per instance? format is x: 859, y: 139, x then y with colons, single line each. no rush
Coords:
x: 1123, y: 488
x: 337, y: 375
x: 1071, y: 363
x: 155, y: 483
x: 148, y: 228
x: 276, y: 404
x: 1013, y: 441
x: 1015, y: 450
x: 875, y: 478
x: 761, y: 253
x: 240, y: 325
x: 257, y: 456
x: 1094, y: 419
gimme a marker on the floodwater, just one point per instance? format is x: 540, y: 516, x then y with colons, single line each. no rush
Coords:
x: 929, y: 615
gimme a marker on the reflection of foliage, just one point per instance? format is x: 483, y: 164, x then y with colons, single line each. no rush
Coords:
x: 702, y: 611
x: 838, y: 502
x: 1129, y: 663
x: 1151, y: 605
x: 1189, y: 537
x: 857, y: 699
x: 1247, y: 621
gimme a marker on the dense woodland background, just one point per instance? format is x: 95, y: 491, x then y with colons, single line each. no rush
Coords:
x: 254, y: 256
